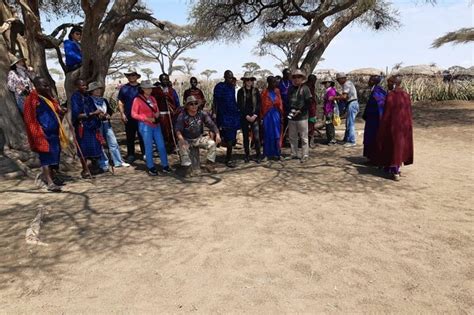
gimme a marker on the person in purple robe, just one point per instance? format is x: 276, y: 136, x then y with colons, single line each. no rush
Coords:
x: 372, y: 114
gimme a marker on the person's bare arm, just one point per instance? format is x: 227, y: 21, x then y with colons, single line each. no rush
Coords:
x: 122, y: 111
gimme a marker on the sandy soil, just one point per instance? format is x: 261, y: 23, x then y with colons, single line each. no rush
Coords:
x: 329, y: 236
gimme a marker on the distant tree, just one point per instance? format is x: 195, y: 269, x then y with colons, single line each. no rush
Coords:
x: 189, y: 65
x: 262, y: 74
x: 284, y: 41
x: 252, y: 67
x: 208, y: 73
x: 148, y: 72
x: 164, y: 47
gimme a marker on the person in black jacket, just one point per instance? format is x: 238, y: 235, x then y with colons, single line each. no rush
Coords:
x: 248, y: 100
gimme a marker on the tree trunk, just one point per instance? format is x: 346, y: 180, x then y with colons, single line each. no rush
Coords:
x: 36, y: 47
x: 327, y: 34
x: 12, y: 130
x: 11, y: 122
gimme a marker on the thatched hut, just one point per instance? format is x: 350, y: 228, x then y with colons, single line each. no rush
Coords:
x: 420, y: 71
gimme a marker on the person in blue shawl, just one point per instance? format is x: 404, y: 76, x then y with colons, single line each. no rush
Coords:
x: 372, y: 114
x: 227, y: 113
x: 85, y: 118
x: 72, y: 49
x: 272, y: 112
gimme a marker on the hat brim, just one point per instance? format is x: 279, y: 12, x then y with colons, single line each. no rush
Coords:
x: 298, y: 75
x: 17, y: 61
x: 132, y: 73
x: 249, y: 78
x: 147, y: 87
x: 95, y: 88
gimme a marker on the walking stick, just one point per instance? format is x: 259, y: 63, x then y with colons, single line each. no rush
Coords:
x: 284, y: 133
x: 172, y: 131
x: 83, y: 159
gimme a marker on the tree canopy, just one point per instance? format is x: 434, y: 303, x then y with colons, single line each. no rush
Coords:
x: 320, y: 21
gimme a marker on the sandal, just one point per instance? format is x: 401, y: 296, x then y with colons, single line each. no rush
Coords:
x: 54, y: 188
x: 86, y: 175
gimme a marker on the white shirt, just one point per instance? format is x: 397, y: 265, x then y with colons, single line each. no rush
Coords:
x: 349, y: 89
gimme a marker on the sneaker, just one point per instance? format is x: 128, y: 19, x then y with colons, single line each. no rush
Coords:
x: 304, y: 159
x: 58, y: 181
x: 396, y: 177
x: 246, y: 159
x: 166, y: 170
x: 152, y: 171
x: 123, y: 164
x: 130, y: 159
x: 349, y: 145
x: 291, y: 157
x: 54, y: 188
x: 230, y: 164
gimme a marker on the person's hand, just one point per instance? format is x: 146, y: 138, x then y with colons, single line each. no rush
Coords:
x: 218, y: 138
x: 182, y: 143
x: 249, y: 119
x: 151, y: 119
x: 123, y: 117
x: 157, y: 115
x: 254, y: 117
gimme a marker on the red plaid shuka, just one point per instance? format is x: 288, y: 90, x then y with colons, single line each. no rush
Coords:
x: 36, y: 136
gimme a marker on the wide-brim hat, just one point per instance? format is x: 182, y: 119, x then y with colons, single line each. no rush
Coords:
x: 340, y: 75
x: 298, y: 73
x: 132, y: 71
x: 146, y: 84
x: 94, y: 86
x: 191, y: 99
x: 16, y: 60
x: 326, y: 80
x: 248, y: 76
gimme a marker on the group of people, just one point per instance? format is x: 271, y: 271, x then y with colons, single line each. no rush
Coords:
x: 151, y: 112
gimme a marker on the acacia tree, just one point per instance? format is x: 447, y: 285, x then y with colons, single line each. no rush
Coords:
x: 189, y: 65
x: 251, y: 67
x: 208, y: 73
x: 284, y: 41
x: 148, y: 72
x: 164, y: 47
x: 321, y: 20
x: 104, y: 22
x: 462, y: 36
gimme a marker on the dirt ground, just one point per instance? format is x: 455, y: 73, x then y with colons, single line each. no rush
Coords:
x: 331, y: 236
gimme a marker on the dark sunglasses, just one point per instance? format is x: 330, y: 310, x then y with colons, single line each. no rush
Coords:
x: 193, y: 103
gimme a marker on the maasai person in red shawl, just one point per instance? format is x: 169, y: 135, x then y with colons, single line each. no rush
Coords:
x: 272, y: 113
x: 196, y: 92
x: 311, y: 83
x: 42, y: 116
x: 395, y: 133
x: 169, y: 109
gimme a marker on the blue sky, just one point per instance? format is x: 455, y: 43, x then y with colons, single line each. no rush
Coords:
x: 356, y: 46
